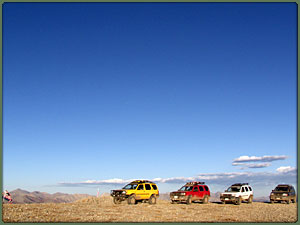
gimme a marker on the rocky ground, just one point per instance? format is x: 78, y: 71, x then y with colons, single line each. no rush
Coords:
x: 103, y: 210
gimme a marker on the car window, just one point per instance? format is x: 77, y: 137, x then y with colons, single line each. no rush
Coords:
x: 196, y: 189
x: 206, y: 188
x: 201, y: 188
x: 147, y: 186
x: 186, y: 188
x: 140, y: 187
x: 250, y: 188
x: 246, y: 189
x: 293, y: 190
x: 281, y: 188
x: 243, y: 189
x: 154, y: 187
x: 130, y: 186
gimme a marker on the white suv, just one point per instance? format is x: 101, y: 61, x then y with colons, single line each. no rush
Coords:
x: 237, y: 193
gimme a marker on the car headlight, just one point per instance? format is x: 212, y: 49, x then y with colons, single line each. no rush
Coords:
x: 272, y: 193
x: 123, y: 192
x: 284, y: 194
x: 183, y: 193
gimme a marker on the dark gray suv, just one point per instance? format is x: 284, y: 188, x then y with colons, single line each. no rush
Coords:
x: 283, y: 193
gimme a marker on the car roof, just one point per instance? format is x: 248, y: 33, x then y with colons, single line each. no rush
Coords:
x: 241, y: 184
x: 284, y: 185
x: 141, y: 182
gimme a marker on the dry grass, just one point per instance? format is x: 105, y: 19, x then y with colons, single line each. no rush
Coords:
x: 103, y: 210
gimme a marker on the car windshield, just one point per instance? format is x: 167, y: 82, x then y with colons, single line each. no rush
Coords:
x: 186, y: 188
x: 130, y: 186
x: 234, y: 189
x: 282, y: 188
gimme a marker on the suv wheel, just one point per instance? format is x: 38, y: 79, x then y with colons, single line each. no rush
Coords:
x: 152, y: 200
x: 250, y: 199
x: 117, y: 200
x: 288, y: 201
x: 272, y: 201
x: 189, y: 200
x: 131, y: 200
x: 205, y: 199
x: 238, y: 201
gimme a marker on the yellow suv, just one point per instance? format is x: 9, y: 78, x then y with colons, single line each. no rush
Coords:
x: 138, y: 190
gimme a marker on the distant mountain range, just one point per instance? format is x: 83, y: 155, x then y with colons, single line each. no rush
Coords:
x: 20, y: 196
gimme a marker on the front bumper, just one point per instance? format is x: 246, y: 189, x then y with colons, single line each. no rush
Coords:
x: 120, y: 196
x: 228, y: 198
x: 179, y: 198
x: 279, y: 198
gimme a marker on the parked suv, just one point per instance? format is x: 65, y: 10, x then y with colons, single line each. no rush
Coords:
x: 191, y: 191
x: 138, y: 190
x: 237, y: 193
x: 283, y: 193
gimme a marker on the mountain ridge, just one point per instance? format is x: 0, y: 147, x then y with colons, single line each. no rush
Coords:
x: 20, y: 196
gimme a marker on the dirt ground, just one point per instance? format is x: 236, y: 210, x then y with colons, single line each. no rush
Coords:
x: 103, y: 210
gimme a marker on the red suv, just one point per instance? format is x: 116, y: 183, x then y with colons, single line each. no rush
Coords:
x: 191, y: 191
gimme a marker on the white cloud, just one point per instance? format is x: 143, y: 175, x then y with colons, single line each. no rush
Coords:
x: 286, y: 169
x: 251, y: 165
x: 282, y: 175
x: 266, y: 158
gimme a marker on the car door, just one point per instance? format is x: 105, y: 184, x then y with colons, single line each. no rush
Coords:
x: 201, y: 192
x: 195, y: 193
x: 148, y: 191
x: 140, y: 192
x: 244, y: 193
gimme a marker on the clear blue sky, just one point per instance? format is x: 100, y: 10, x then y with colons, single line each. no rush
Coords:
x: 96, y: 91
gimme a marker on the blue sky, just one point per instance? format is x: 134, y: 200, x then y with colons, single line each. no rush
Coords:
x: 98, y: 91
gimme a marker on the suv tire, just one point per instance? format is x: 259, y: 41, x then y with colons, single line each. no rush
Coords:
x: 238, y: 201
x: 131, y: 200
x: 117, y: 200
x: 152, y: 200
x: 189, y: 200
x: 250, y: 199
x: 205, y: 199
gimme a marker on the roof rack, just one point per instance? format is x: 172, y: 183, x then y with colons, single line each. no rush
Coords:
x: 195, y: 183
x: 240, y: 184
x: 141, y: 181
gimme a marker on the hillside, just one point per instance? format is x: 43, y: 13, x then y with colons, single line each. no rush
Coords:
x: 20, y: 196
x: 102, y: 209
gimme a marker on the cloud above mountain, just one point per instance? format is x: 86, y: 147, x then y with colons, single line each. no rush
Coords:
x: 286, y: 169
x: 256, y: 162
x: 286, y: 174
x: 266, y: 158
x: 251, y: 165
